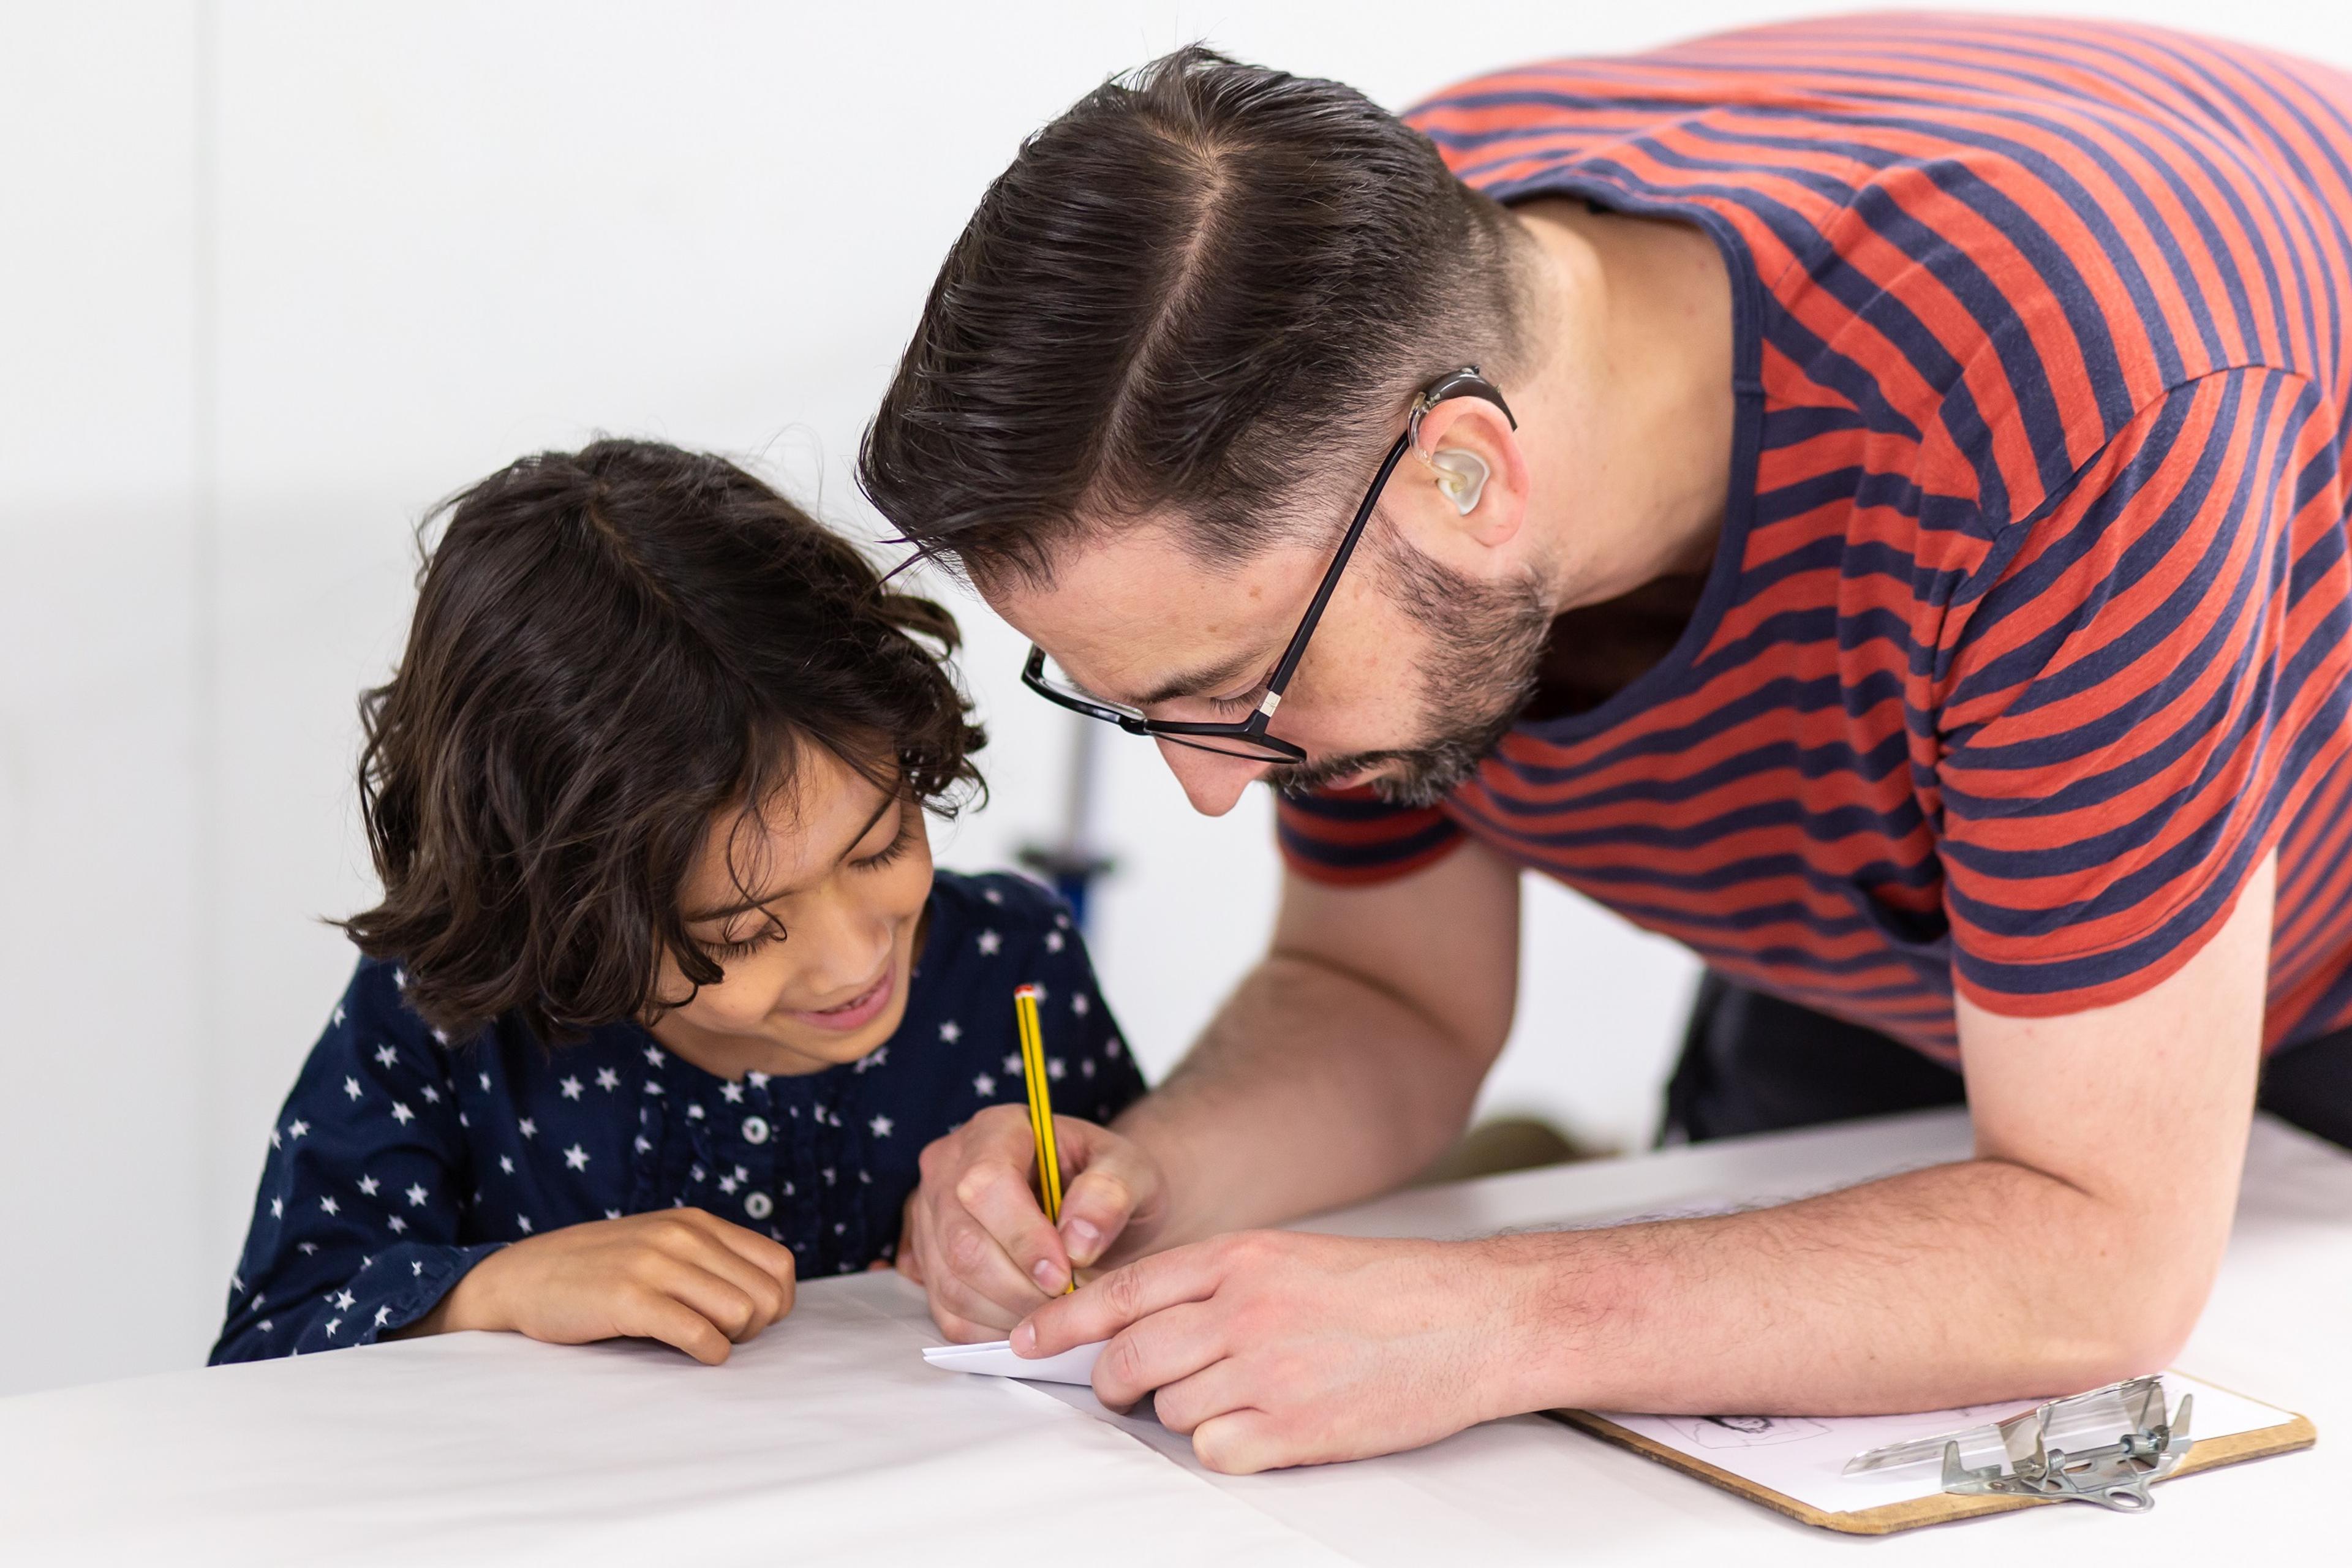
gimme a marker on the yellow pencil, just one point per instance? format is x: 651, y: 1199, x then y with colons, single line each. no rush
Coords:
x: 1041, y: 1105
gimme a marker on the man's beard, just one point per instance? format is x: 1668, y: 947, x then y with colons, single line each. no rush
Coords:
x: 1486, y: 642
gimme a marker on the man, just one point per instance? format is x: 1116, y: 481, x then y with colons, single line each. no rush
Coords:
x: 1861, y: 497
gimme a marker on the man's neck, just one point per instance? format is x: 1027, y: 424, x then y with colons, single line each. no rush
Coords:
x: 1625, y: 400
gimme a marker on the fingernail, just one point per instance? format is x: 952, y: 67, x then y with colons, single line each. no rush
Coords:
x: 1024, y: 1341
x: 1085, y: 1241
x: 1048, y: 1276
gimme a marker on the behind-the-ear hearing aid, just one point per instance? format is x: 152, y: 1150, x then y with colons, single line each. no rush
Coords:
x: 1462, y: 476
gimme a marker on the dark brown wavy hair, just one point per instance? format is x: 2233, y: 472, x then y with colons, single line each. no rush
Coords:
x: 610, y: 646
x: 1205, y: 288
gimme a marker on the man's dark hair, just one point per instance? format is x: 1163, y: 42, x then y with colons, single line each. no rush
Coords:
x: 610, y: 646
x: 1204, y: 285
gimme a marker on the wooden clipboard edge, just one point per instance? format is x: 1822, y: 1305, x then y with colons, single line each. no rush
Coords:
x: 1944, y: 1508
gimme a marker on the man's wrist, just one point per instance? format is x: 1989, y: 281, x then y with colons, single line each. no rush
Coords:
x: 1551, y: 1298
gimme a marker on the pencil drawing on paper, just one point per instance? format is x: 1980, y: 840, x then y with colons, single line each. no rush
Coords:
x: 1745, y: 1431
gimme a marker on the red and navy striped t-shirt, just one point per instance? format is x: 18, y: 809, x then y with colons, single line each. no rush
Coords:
x: 2030, y: 632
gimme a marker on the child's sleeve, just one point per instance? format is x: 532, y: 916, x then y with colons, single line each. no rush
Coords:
x: 355, y: 1230
x: 1098, y: 1077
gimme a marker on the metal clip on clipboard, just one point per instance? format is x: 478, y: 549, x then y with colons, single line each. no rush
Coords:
x: 2114, y: 1474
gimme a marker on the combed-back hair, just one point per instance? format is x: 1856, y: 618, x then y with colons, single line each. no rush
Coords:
x: 610, y: 646
x: 1202, y: 286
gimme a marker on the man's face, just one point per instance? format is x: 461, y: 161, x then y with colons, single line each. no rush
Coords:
x: 1413, y: 672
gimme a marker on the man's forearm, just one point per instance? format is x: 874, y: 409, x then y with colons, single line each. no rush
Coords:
x: 1969, y: 1282
x: 1309, y: 1090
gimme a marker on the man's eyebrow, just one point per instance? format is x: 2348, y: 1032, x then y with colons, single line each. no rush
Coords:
x: 769, y: 897
x: 1199, y: 682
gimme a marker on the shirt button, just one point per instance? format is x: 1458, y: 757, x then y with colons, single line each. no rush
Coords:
x: 759, y: 1206
x: 755, y: 1129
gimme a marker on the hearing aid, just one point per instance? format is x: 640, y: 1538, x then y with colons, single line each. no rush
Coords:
x: 1462, y: 476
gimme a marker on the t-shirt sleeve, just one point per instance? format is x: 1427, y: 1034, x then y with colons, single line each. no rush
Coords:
x: 2136, y: 703
x: 1352, y: 836
x: 355, y: 1229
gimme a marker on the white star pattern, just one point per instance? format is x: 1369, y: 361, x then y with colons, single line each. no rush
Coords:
x: 351, y: 1087
x: 527, y: 1127
x: 400, y: 1113
x: 395, y: 1224
x: 880, y: 1126
x: 505, y: 1164
x: 368, y: 1185
x: 1053, y: 1068
x: 606, y: 1079
x: 1086, y: 1067
x: 336, y: 1017
x: 297, y: 1127
x: 485, y: 1083
x: 343, y: 1300
x: 612, y: 1214
x: 992, y: 895
x: 278, y: 1208
x: 400, y: 980
x: 1053, y: 942
x: 576, y: 1157
x: 415, y: 1195
x: 328, y: 1203
x: 988, y: 943
x: 694, y: 1113
x: 1012, y: 1063
x: 332, y: 1324
x: 756, y: 1080
x: 653, y: 1056
x: 571, y: 1087
x: 522, y: 1223
x: 1080, y: 1005
x: 951, y: 1031
x: 728, y: 1183
x: 432, y: 1095
x: 275, y: 1141
x: 732, y: 1093
x: 382, y: 1316
x: 417, y: 1268
x: 983, y: 1086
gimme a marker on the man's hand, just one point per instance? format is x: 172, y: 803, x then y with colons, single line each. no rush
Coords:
x: 1271, y: 1348
x: 980, y: 1246
x: 681, y: 1276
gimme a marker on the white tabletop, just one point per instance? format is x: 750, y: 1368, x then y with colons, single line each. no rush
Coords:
x: 829, y: 1440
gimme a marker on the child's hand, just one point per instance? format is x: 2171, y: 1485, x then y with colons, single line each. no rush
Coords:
x: 977, y: 1242
x: 681, y: 1276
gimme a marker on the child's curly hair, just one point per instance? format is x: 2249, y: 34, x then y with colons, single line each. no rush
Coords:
x: 610, y: 646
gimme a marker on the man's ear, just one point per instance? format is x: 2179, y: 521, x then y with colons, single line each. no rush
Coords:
x: 1467, y: 474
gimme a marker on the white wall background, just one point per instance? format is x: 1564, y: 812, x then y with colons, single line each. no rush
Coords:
x: 274, y: 277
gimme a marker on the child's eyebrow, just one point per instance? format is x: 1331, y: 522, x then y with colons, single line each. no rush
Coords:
x: 771, y: 896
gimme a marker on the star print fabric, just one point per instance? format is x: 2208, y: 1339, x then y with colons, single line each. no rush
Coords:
x: 399, y: 1161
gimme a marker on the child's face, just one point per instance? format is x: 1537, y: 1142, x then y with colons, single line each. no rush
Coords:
x: 818, y: 952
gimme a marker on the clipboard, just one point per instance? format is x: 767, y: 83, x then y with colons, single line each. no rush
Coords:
x: 2290, y: 1433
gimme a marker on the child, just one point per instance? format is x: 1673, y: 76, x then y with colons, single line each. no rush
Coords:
x: 663, y: 1000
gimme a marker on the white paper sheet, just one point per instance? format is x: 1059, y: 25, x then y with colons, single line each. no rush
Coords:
x: 1802, y: 1457
x: 995, y: 1359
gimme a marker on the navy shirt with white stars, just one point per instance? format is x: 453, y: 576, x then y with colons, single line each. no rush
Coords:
x: 400, y: 1161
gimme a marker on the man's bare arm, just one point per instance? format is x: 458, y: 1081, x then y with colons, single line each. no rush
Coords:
x: 2077, y: 1247
x: 1349, y: 1058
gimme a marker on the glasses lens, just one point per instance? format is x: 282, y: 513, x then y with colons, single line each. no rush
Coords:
x: 1248, y: 750
x: 1052, y: 678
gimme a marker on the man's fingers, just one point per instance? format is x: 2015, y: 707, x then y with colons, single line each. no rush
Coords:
x: 650, y: 1314
x: 1241, y: 1443
x: 951, y: 1297
x: 1172, y: 1349
x: 1105, y: 1306
x: 1097, y: 1206
x: 998, y: 1196
x: 968, y: 1245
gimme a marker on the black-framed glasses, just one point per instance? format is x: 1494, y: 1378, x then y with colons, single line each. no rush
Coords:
x: 1247, y: 738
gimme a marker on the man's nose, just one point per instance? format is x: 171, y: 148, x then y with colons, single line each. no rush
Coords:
x: 1213, y: 782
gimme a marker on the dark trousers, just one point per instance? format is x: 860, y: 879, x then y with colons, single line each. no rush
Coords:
x: 1753, y: 1063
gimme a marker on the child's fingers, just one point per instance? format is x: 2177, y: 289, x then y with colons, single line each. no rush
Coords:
x: 730, y: 1306
x: 651, y: 1314
x: 771, y: 1258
